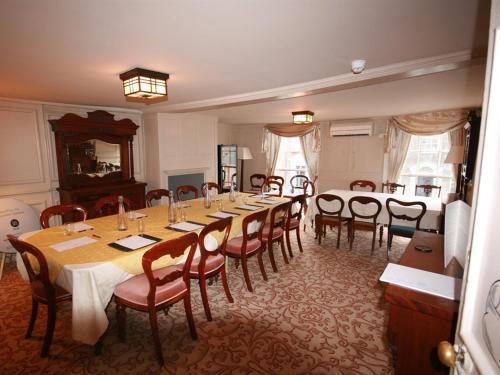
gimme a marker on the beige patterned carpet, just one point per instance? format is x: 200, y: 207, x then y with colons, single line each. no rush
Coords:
x: 321, y: 314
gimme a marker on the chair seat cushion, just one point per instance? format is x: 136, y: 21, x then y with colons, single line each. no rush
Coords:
x: 136, y: 289
x: 329, y: 220
x: 401, y: 230
x: 277, y: 232
x: 40, y: 293
x: 213, y: 263
x: 294, y: 223
x: 233, y: 246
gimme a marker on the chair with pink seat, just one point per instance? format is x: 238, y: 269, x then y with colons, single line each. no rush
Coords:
x: 273, y: 232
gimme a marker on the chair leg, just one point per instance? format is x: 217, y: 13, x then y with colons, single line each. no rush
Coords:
x: 283, y: 251
x: 189, y: 315
x: 245, y: 274
x: 339, y: 232
x: 153, y: 321
x: 34, y: 314
x: 389, y: 243
x: 204, y: 297
x: 51, y: 323
x: 298, y: 239
x: 121, y: 317
x: 351, y: 235
x: 318, y: 232
x: 261, y: 265
x: 271, y: 255
x: 288, y: 244
x: 226, y: 285
x: 381, y: 235
x: 2, y: 264
x: 374, y: 236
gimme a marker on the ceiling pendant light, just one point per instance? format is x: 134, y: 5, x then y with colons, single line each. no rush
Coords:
x: 302, y: 117
x: 144, y: 85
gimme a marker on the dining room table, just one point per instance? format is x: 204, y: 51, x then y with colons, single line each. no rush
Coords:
x: 431, y: 219
x: 90, y: 258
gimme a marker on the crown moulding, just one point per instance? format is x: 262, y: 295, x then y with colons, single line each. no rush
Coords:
x: 387, y: 73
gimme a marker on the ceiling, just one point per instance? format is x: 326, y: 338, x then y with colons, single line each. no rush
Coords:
x: 73, y: 51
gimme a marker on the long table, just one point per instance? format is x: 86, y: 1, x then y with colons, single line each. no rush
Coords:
x: 91, y: 272
x: 431, y: 219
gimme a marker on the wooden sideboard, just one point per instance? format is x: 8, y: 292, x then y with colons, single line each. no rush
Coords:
x: 419, y: 321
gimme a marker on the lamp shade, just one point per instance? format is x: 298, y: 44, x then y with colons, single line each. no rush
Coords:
x: 244, y: 153
x: 455, y: 155
x: 144, y: 84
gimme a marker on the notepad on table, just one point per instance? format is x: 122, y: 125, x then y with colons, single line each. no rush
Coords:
x: 186, y: 226
x: 266, y: 201
x: 422, y: 281
x: 71, y: 244
x: 136, y: 242
x: 135, y: 215
x: 222, y: 215
x: 81, y: 227
x: 248, y: 207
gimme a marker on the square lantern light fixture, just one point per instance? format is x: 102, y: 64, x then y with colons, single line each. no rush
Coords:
x: 144, y: 85
x: 302, y: 117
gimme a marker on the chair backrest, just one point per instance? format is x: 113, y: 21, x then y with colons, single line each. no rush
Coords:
x: 257, y: 180
x: 297, y: 181
x: 278, y: 216
x: 109, y: 205
x: 40, y: 277
x: 400, y: 216
x: 392, y: 187
x: 428, y: 189
x: 183, y: 190
x: 208, y: 186
x: 363, y: 184
x: 259, y: 218
x: 174, y: 248
x: 223, y: 225
x: 63, y: 210
x: 309, y: 188
x: 279, y: 179
x: 156, y: 195
x: 299, y: 201
x: 356, y: 211
x: 275, y: 186
x: 331, y: 198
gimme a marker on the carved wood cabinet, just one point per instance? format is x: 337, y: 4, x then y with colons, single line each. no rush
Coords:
x: 95, y: 159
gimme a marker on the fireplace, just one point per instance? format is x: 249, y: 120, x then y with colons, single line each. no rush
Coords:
x: 178, y: 177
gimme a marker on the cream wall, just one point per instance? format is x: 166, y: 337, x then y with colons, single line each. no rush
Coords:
x: 28, y: 167
x: 343, y: 159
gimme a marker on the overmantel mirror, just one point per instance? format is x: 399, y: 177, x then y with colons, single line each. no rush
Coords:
x: 95, y: 150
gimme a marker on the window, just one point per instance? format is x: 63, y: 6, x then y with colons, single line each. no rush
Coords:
x: 290, y: 159
x: 424, y: 164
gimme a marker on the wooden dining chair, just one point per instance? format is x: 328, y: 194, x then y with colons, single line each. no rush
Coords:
x: 274, y: 232
x: 109, y: 205
x: 156, y: 290
x: 309, y: 191
x: 292, y: 222
x: 330, y: 209
x: 392, y: 187
x: 362, y: 184
x: 297, y: 182
x: 257, y: 180
x: 42, y: 290
x: 156, y: 195
x: 212, y: 260
x: 361, y: 220
x: 395, y: 210
x: 68, y: 212
x: 428, y: 189
x: 273, y: 186
x: 184, y: 190
x: 250, y: 243
x: 208, y: 186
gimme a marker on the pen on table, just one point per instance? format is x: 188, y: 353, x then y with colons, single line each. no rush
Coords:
x: 96, y: 236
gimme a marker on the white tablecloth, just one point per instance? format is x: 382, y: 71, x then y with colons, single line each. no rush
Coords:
x: 431, y: 219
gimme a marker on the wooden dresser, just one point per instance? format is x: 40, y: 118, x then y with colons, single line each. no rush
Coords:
x: 419, y: 321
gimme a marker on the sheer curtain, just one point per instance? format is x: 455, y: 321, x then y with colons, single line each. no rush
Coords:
x: 398, y: 142
x: 271, y: 147
x: 311, y: 147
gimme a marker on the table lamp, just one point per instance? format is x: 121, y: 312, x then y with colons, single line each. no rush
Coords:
x: 243, y: 154
x: 455, y: 156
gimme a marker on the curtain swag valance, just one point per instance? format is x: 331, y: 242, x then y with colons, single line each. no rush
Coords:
x: 431, y: 123
x: 292, y: 130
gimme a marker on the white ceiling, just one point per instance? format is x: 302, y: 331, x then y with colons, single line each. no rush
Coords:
x: 73, y: 51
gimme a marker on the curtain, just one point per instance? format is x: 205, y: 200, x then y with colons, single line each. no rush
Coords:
x: 398, y: 143
x: 456, y: 139
x: 311, y: 147
x: 431, y: 123
x: 271, y: 147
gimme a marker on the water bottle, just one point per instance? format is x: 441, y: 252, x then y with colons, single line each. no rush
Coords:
x: 172, y: 210
x: 232, y: 194
x: 122, y: 215
x: 207, y: 202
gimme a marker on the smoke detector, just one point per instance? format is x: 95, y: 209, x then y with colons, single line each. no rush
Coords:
x: 357, y: 66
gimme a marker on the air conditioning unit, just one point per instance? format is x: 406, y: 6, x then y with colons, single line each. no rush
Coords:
x: 351, y: 128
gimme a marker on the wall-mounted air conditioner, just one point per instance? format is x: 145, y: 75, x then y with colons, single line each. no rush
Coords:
x: 350, y: 128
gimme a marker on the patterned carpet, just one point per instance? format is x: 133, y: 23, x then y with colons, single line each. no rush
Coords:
x: 321, y: 314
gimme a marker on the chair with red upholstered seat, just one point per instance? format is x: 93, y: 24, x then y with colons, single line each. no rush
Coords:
x: 363, y: 184
x: 158, y: 289
x: 212, y: 260
x: 250, y: 243
x: 273, y: 232
x: 293, y: 219
x: 156, y: 194
x: 256, y: 181
x: 184, y: 190
x: 109, y: 205
x: 65, y: 211
x: 273, y: 186
x: 207, y: 186
x: 367, y: 210
x: 42, y: 290
x: 330, y: 209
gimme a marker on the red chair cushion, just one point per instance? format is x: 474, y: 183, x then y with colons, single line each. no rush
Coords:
x: 233, y: 246
x: 213, y: 262
x: 277, y: 232
x: 136, y: 289
x: 294, y: 223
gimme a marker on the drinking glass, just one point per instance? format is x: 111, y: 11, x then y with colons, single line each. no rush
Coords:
x: 220, y: 206
x: 141, y: 226
x: 68, y: 229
